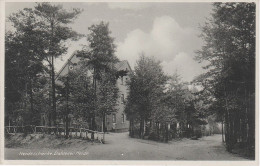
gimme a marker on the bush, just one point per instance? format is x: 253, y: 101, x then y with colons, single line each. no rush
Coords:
x: 197, y: 133
x: 153, y: 136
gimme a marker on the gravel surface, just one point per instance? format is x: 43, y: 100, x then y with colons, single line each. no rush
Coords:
x: 119, y: 146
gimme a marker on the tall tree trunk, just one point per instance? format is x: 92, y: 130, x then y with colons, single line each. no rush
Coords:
x: 236, y: 127
x: 166, y: 133
x: 141, y: 133
x: 130, y: 127
x: 95, y: 100
x: 222, y: 129
x: 251, y: 124
x: 31, y: 103
x: 67, y: 107
x: 231, y: 131
x: 49, y: 112
x: 140, y: 129
x: 227, y: 130
x: 104, y: 122
x: 131, y: 132
x: 144, y: 128
x: 53, y: 95
x: 243, y: 128
x: 158, y: 130
x: 93, y: 126
x: 53, y: 78
x: 228, y: 125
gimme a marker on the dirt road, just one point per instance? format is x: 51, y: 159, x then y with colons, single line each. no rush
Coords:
x: 119, y: 146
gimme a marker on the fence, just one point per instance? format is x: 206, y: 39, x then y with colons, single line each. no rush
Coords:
x: 73, y: 132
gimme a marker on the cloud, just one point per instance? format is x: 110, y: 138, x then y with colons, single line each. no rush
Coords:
x: 184, y: 65
x: 168, y: 42
x: 129, y: 5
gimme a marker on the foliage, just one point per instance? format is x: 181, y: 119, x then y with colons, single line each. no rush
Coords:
x: 39, y: 34
x: 77, y: 85
x: 53, y: 20
x: 189, y: 109
x: 24, y: 64
x: 107, y: 95
x: 147, y: 84
x: 145, y: 90
x: 100, y: 54
x: 229, y: 51
x: 100, y: 59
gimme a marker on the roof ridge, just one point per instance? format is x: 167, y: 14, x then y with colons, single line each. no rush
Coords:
x: 118, y: 65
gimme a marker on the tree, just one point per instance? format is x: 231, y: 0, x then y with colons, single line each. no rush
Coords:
x: 177, y: 93
x: 24, y: 51
x: 53, y: 21
x: 230, y: 78
x: 99, y: 57
x: 76, y: 91
x: 107, y: 97
x: 39, y: 35
x: 146, y: 88
x: 187, y: 109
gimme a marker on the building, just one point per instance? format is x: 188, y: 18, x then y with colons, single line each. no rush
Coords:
x: 115, y: 121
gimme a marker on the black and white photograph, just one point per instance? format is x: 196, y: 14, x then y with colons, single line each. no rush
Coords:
x: 130, y: 81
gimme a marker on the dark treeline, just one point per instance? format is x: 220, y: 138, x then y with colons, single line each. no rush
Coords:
x: 36, y: 40
x: 34, y: 91
x: 230, y: 78
x: 161, y: 107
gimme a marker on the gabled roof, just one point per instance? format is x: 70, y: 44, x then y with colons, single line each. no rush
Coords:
x: 65, y: 64
x: 121, y: 65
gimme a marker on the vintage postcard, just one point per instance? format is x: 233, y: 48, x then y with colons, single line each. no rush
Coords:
x: 113, y: 82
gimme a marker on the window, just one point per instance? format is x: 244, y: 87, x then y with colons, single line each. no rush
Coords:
x: 114, y: 118
x: 123, y: 118
x: 122, y: 98
x: 122, y: 80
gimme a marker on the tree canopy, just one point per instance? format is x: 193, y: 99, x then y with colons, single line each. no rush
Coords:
x: 38, y: 36
x: 229, y: 51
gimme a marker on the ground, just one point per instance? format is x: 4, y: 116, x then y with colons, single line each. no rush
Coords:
x: 119, y: 146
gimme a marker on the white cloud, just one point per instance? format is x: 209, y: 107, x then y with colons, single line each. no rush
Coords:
x: 168, y: 42
x: 96, y: 20
x: 184, y: 65
x: 128, y: 5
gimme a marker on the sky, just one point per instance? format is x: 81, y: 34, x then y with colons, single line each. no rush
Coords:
x: 167, y: 31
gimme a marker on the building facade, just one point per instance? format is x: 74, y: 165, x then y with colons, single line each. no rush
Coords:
x: 116, y: 121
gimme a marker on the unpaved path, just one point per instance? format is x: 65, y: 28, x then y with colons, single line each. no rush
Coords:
x: 119, y: 146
